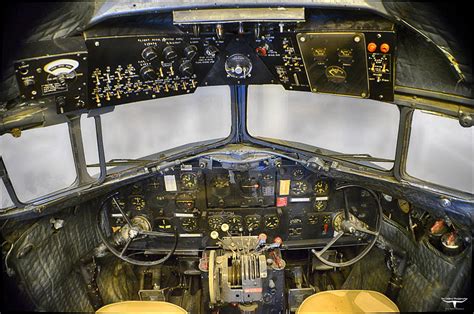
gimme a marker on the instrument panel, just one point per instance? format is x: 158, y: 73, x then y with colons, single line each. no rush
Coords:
x: 113, y: 66
x: 289, y: 202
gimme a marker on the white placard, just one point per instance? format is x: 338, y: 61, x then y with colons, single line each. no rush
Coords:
x: 170, y: 183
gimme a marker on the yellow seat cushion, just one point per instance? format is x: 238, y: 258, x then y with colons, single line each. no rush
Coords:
x: 142, y: 307
x: 347, y: 301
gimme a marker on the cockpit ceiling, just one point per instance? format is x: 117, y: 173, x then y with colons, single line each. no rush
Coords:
x: 446, y: 66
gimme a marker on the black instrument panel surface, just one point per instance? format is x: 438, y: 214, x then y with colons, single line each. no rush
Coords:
x: 287, y: 202
x: 144, y: 64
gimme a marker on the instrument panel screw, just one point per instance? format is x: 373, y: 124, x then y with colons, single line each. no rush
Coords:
x: 97, y: 44
x: 302, y: 39
x: 357, y: 39
x: 445, y: 202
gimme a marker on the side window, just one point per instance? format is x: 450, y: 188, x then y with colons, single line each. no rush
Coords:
x: 5, y: 200
x: 441, y: 151
x: 39, y: 162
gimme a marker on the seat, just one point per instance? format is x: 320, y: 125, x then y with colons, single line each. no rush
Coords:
x: 347, y: 301
x: 142, y: 307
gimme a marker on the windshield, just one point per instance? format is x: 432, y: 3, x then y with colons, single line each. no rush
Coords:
x: 336, y: 124
x: 131, y: 131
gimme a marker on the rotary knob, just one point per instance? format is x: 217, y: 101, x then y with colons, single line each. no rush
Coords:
x: 211, y: 51
x: 149, y: 54
x: 148, y: 73
x: 186, y: 68
x: 169, y: 53
x: 190, y: 52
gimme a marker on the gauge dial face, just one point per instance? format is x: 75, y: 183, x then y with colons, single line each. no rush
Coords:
x: 321, y: 188
x: 136, y: 189
x: 337, y: 222
x: 189, y: 224
x: 215, y: 222
x: 235, y: 223
x: 188, y: 181
x: 137, y: 202
x: 320, y: 206
x: 299, y: 188
x: 161, y: 200
x: 120, y: 201
x: 163, y: 224
x: 298, y: 174
x: 184, y: 201
x: 313, y: 219
x: 252, y: 222
x: 271, y: 221
x: 404, y: 206
x: 220, y: 182
x: 154, y: 184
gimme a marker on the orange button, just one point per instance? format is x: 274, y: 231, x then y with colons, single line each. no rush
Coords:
x: 371, y: 47
x: 384, y: 48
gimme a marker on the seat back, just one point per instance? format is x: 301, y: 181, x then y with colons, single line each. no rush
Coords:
x: 142, y: 307
x: 347, y: 301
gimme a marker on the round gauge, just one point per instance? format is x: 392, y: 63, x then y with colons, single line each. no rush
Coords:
x: 136, y: 189
x: 337, y: 222
x: 220, y: 182
x: 271, y: 221
x: 298, y: 187
x: 188, y: 181
x: 235, y: 223
x: 163, y: 224
x: 161, y: 200
x: 321, y: 188
x: 404, y: 206
x: 215, y: 222
x: 313, y: 219
x: 189, y: 224
x: 120, y: 201
x: 298, y: 174
x: 184, y: 201
x: 138, y: 202
x: 154, y: 183
x: 249, y: 186
x: 252, y: 222
x: 320, y: 206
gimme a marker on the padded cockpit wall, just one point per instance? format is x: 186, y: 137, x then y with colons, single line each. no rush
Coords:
x: 46, y: 260
x: 420, y: 64
x: 433, y: 22
x: 430, y: 275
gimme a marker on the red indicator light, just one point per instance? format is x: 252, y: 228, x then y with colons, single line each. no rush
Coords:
x: 384, y: 48
x: 282, y: 201
x: 371, y: 47
x: 326, y: 228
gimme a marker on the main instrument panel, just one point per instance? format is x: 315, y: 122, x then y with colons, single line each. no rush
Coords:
x: 113, y: 65
x: 289, y: 202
